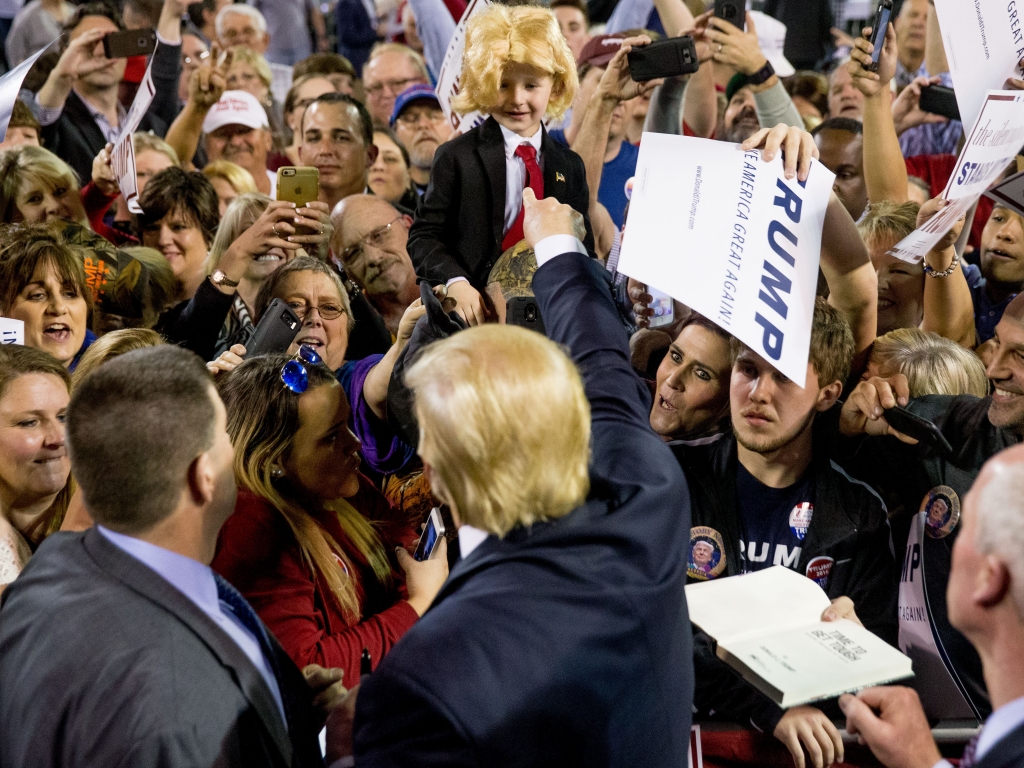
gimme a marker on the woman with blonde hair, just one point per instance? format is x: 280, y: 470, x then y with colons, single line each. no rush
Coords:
x: 250, y: 72
x: 229, y: 180
x: 932, y: 364
x: 37, y: 186
x: 311, y: 544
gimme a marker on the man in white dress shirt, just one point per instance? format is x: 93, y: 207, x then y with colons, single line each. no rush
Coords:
x: 986, y: 602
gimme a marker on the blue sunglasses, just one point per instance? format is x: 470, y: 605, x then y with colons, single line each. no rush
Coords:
x: 294, y: 373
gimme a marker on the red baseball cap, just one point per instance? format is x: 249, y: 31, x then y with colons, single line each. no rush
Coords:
x: 600, y: 49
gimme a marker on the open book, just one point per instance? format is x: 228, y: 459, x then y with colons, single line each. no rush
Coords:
x: 767, y: 627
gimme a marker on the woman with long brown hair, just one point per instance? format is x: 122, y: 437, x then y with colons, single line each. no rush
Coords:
x: 312, y: 544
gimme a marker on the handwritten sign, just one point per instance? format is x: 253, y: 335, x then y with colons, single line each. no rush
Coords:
x: 122, y: 158
x: 451, y: 72
x: 728, y: 235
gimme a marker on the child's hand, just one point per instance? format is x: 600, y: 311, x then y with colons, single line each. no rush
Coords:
x: 469, y: 302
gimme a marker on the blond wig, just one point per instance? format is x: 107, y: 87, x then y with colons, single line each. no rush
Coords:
x: 501, y: 36
x: 504, y: 425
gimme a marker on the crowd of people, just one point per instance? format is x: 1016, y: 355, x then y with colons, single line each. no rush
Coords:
x: 206, y: 549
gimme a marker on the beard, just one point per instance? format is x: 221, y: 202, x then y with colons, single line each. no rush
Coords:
x: 745, y: 126
x: 771, y: 443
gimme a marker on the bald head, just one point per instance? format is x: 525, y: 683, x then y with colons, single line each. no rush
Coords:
x: 370, y: 238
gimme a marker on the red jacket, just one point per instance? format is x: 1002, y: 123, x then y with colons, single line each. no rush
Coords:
x: 258, y: 554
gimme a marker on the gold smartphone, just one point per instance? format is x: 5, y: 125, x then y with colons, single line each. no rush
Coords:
x: 299, y: 185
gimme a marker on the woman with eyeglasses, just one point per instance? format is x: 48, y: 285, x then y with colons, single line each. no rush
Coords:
x: 312, y: 545
x: 302, y: 93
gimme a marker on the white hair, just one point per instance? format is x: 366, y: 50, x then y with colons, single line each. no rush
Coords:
x: 1001, y: 523
x: 244, y: 10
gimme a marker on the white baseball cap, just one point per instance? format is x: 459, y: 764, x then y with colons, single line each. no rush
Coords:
x: 236, y: 108
x: 771, y: 37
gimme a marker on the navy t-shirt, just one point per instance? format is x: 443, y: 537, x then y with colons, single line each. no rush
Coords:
x: 773, y: 521
x: 612, y: 192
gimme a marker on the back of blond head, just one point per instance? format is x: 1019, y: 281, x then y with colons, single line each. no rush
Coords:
x: 505, y: 426
x: 501, y: 36
x: 932, y: 364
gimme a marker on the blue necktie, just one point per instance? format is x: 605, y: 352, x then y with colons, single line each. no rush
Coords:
x: 239, y: 606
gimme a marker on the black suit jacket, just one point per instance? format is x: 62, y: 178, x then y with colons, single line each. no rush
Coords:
x: 460, y: 220
x: 75, y: 137
x: 1008, y: 752
x: 567, y: 644
x: 103, y: 662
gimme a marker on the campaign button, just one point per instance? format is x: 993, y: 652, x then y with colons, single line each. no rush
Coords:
x: 941, y: 507
x: 819, y: 569
x: 800, y: 519
x: 707, y: 554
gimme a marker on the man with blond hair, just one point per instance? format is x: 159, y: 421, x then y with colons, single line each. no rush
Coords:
x: 566, y: 618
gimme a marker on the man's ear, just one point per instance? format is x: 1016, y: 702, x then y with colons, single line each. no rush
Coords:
x: 828, y: 396
x: 201, y: 479
x: 268, y: 139
x: 371, y: 154
x: 992, y: 583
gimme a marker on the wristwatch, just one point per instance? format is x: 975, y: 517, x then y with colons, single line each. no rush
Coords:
x: 219, y: 279
x: 761, y: 75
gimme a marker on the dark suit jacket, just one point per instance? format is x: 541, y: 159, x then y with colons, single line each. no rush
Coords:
x: 461, y: 217
x: 103, y: 662
x: 1008, y: 752
x: 75, y: 137
x: 567, y: 644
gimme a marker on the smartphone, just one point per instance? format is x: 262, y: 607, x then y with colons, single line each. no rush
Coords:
x: 878, y: 26
x: 432, y: 534
x: 300, y: 186
x: 733, y: 11
x: 940, y: 100
x: 920, y: 429
x: 663, y: 306
x: 131, y: 42
x: 524, y: 312
x: 275, y: 331
x: 665, y: 58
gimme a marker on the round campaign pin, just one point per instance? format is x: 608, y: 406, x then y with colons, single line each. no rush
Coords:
x: 800, y: 519
x: 941, y: 507
x: 819, y: 569
x: 707, y: 554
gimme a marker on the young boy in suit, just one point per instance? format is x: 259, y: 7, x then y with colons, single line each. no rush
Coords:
x: 517, y: 68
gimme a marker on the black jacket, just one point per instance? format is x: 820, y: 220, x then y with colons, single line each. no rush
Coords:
x: 75, y: 137
x: 566, y: 644
x: 849, y: 526
x: 103, y: 662
x: 904, y: 474
x: 460, y: 220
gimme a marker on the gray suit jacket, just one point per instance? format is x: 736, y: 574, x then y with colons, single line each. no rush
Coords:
x: 104, y: 663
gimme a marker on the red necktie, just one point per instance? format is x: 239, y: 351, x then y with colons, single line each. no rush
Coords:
x: 535, y: 181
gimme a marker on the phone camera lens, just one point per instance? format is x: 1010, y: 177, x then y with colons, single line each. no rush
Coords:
x: 531, y: 313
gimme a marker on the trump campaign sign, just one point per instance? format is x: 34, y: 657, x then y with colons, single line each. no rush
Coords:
x: 728, y: 235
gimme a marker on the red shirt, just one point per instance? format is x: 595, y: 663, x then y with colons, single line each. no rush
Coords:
x: 935, y: 171
x: 258, y: 554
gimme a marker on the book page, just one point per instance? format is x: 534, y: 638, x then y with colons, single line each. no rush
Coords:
x: 816, y: 662
x: 755, y: 604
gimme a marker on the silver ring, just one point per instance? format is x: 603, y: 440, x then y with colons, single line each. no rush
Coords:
x: 719, y: 48
x: 276, y: 233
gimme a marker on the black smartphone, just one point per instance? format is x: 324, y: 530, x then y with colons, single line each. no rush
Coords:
x: 131, y: 42
x: 940, y: 100
x: 432, y: 534
x: 665, y: 58
x: 524, y: 311
x: 920, y: 429
x: 733, y: 11
x: 275, y: 331
x: 883, y: 13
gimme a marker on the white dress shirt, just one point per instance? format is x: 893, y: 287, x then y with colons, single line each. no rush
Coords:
x: 195, y: 581
x: 998, y: 725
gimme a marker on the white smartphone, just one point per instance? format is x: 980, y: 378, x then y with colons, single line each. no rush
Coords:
x: 663, y: 307
x: 431, y: 536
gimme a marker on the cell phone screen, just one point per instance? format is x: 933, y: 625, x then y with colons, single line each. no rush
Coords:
x: 878, y: 33
x: 427, y: 541
x: 663, y: 308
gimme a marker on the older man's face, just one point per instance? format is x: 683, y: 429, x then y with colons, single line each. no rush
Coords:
x: 372, y: 247
x: 386, y: 76
x: 422, y: 129
x: 239, y: 29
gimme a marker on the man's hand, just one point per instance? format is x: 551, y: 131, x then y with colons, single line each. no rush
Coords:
x: 83, y: 56
x: 469, y: 303
x: 642, y: 301
x: 906, y: 109
x: 807, y: 727
x: 705, y: 48
x: 616, y: 83
x: 169, y: 24
x: 867, y: 82
x: 327, y: 687
x: 898, y: 735
x: 547, y: 217
x: 863, y: 410
x: 841, y: 608
x: 228, y: 360
x: 1013, y: 83
x: 209, y: 82
x: 732, y: 46
x: 797, y: 146
x: 103, y: 173
x: 339, y: 728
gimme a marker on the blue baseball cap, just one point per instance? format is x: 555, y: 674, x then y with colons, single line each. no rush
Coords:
x: 412, y: 93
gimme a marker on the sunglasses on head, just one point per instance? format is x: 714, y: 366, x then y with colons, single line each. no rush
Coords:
x: 294, y: 373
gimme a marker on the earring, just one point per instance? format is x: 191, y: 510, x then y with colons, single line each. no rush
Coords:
x: 277, y: 473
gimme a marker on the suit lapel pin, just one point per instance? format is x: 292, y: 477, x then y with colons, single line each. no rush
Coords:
x: 559, y: 177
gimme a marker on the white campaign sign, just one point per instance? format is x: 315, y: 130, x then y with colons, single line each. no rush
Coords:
x: 10, y: 87
x: 729, y: 236
x: 122, y: 157
x: 984, y: 42
x: 451, y: 72
x: 12, y: 331
x: 991, y: 146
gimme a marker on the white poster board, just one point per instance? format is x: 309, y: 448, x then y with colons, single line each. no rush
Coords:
x: 12, y: 331
x: 728, y: 235
x: 122, y: 158
x: 991, y: 146
x: 10, y: 87
x: 451, y: 72
x: 984, y: 42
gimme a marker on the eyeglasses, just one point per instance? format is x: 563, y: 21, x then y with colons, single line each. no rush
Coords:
x: 410, y: 117
x: 294, y: 373
x: 189, y: 63
x: 327, y: 311
x: 394, y: 86
x: 375, y: 238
